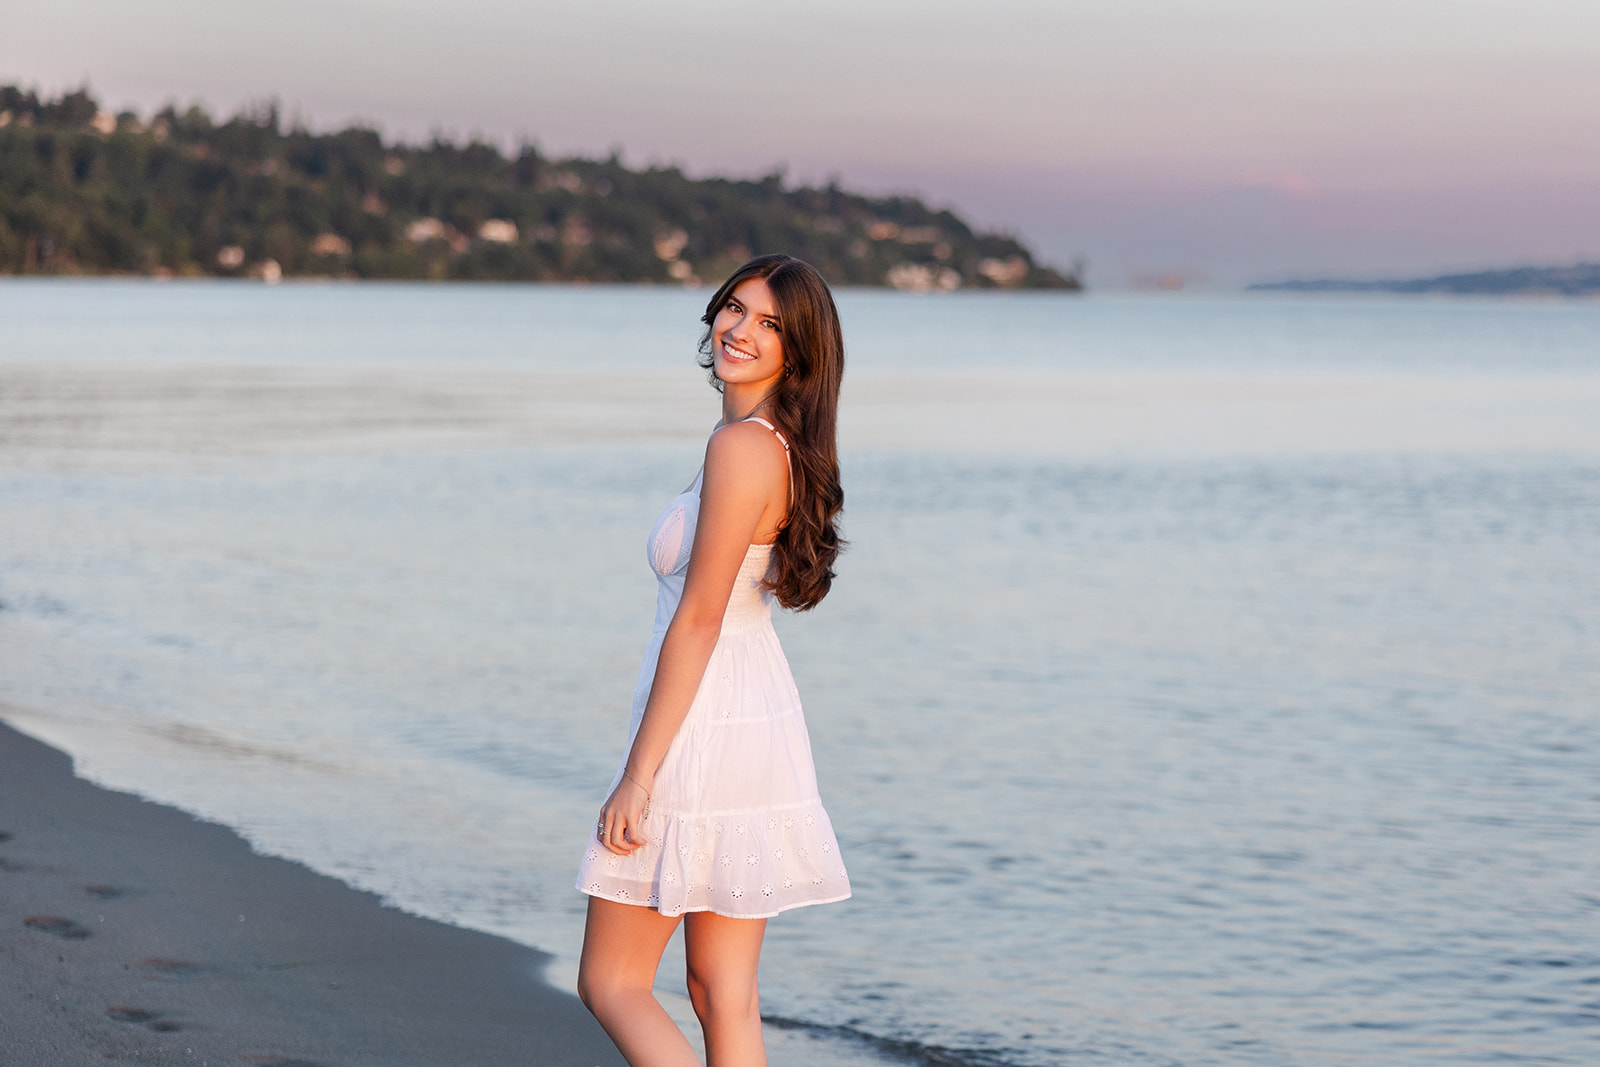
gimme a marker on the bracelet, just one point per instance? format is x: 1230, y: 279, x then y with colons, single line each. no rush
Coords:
x: 635, y: 781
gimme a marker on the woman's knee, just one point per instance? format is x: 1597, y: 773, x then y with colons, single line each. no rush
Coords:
x: 598, y: 988
x: 589, y: 990
x: 723, y: 997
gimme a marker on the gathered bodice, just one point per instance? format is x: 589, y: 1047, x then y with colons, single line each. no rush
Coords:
x: 670, y: 542
x: 668, y: 547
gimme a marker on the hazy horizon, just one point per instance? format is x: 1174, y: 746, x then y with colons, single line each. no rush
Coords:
x: 1237, y: 143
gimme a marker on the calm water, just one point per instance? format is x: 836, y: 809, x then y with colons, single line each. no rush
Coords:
x: 1209, y: 681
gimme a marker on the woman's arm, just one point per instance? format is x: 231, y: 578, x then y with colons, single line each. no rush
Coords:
x: 744, y: 489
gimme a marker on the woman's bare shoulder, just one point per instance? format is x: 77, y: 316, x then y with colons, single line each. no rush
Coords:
x: 745, y: 450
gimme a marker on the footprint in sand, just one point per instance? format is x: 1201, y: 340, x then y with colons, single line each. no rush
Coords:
x: 150, y: 1019
x: 169, y: 970
x: 131, y: 1015
x: 105, y: 892
x: 7, y: 865
x: 5, y: 835
x: 55, y: 924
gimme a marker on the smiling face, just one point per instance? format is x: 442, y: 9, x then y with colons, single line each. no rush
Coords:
x: 747, y: 338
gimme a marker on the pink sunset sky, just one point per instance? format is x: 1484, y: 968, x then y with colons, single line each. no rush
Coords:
x: 1226, y: 140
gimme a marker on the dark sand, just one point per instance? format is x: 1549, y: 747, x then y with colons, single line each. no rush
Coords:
x: 132, y: 932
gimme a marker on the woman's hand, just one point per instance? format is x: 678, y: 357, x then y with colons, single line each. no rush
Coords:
x: 621, y: 825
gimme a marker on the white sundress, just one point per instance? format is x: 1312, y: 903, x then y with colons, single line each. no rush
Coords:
x: 736, y: 825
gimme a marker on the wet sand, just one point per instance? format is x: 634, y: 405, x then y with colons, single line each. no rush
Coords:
x: 132, y: 932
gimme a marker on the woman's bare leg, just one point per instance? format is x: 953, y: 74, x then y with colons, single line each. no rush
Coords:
x: 723, y: 955
x: 622, y: 946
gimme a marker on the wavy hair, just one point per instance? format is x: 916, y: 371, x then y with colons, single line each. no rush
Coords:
x: 804, y: 406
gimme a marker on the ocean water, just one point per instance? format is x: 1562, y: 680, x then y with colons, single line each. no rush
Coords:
x: 1209, y: 680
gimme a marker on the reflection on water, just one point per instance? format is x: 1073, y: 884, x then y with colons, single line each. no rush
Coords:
x: 1232, y: 708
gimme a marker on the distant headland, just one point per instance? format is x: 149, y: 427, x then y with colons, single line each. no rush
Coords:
x: 83, y: 191
x: 1582, y: 279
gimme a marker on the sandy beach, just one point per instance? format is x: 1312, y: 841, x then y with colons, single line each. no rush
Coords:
x: 132, y: 932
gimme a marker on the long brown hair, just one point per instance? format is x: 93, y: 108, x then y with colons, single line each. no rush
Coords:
x: 804, y: 406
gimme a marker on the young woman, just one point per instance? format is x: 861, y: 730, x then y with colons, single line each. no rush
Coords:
x: 714, y: 818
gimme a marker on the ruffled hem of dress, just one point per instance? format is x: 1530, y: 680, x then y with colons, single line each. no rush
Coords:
x: 747, y: 865
x: 656, y: 906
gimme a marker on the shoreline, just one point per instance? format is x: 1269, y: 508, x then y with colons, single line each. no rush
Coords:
x: 131, y: 931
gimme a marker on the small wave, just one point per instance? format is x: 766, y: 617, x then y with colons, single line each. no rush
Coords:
x: 189, y: 735
x: 903, y: 1050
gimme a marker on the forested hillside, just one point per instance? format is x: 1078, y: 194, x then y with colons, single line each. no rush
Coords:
x: 83, y: 191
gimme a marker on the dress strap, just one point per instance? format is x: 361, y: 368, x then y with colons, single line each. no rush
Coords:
x: 788, y: 461
x: 781, y: 439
